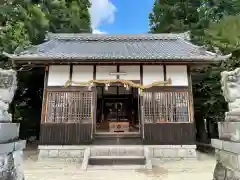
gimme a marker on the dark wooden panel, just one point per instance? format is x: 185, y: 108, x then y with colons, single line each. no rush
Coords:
x: 65, y: 134
x: 169, y: 134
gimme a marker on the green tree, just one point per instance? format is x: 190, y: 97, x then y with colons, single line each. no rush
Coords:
x: 209, y: 26
x: 68, y: 16
x: 173, y: 16
x: 24, y: 23
x: 208, y: 100
x: 212, y: 11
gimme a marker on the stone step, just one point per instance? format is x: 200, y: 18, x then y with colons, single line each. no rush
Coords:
x: 117, y: 151
x: 115, y: 167
x: 117, y: 141
x: 117, y: 157
x: 117, y: 160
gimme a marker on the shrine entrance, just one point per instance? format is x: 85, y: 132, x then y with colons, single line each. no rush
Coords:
x: 117, y: 110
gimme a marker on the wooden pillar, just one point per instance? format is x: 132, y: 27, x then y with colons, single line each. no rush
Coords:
x: 71, y: 72
x: 164, y: 72
x: 190, y: 96
x: 44, y: 101
x: 141, y: 105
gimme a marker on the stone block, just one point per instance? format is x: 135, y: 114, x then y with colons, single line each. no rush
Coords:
x: 158, y: 153
x: 3, y: 161
x: 182, y: 153
x: 76, y: 153
x: 191, y: 153
x: 216, y: 143
x: 117, y: 151
x: 100, y: 151
x: 173, y: 153
x: 228, y: 159
x: 43, y: 153
x: 188, y: 147
x: 233, y: 147
x: 6, y: 148
x: 150, y: 151
x: 64, y: 153
x: 71, y: 147
x: 18, y: 157
x: 8, y: 132
x: 19, y: 145
x: 53, y: 153
x: 13, y: 146
x: 133, y: 151
x: 229, y: 130
x: 170, y: 153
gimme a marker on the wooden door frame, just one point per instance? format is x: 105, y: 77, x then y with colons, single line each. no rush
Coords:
x: 139, y: 118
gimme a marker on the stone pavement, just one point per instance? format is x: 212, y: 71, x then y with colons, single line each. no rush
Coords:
x: 201, y: 169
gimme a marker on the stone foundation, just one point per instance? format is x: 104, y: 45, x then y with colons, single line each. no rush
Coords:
x: 71, y: 153
x: 228, y: 160
x: 172, y: 151
x: 11, y: 160
x: 160, y: 152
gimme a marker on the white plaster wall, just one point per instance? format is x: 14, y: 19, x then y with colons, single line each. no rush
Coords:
x: 152, y: 73
x: 133, y: 72
x: 102, y: 72
x: 58, y: 75
x: 178, y: 74
x: 82, y: 73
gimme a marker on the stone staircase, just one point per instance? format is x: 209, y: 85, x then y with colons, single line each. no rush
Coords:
x: 127, y: 157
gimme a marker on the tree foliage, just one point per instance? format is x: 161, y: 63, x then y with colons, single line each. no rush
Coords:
x: 173, y: 16
x: 70, y: 16
x: 213, y: 24
x: 224, y: 34
x: 24, y: 23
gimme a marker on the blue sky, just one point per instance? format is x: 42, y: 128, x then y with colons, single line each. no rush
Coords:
x: 121, y: 16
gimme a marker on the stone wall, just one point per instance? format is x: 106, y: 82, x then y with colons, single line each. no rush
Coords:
x: 173, y: 151
x: 160, y: 152
x: 74, y: 153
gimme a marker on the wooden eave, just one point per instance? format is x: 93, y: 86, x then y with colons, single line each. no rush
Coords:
x: 43, y: 62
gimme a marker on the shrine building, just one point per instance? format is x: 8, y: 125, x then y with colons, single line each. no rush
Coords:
x: 132, y: 90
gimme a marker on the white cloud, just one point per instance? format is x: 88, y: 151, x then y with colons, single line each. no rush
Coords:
x: 101, y: 11
x: 97, y: 31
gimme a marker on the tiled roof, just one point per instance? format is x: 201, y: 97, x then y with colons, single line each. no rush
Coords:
x: 121, y: 47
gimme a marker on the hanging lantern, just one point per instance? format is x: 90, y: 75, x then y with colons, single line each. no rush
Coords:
x: 140, y: 92
x: 89, y: 87
x: 106, y: 87
x: 127, y: 87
